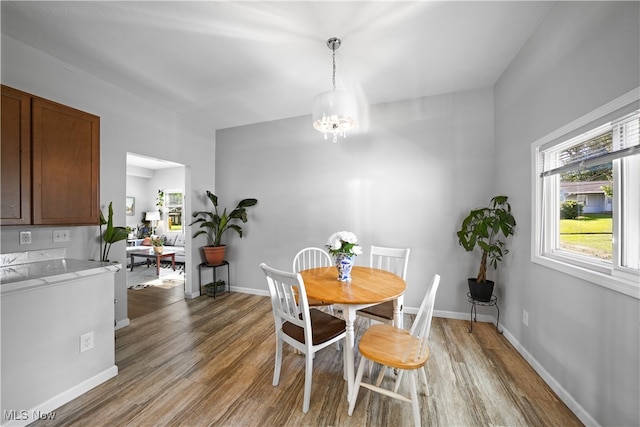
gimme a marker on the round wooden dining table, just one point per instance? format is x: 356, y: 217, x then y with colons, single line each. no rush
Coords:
x: 368, y: 286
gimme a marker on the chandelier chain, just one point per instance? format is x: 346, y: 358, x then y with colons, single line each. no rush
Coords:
x: 334, y: 66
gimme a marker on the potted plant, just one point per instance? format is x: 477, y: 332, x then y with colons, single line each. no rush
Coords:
x: 158, y: 244
x: 111, y: 235
x: 215, y: 288
x: 214, y: 225
x: 483, y: 228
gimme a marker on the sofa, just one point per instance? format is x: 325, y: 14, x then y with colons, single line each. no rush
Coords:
x: 172, y: 242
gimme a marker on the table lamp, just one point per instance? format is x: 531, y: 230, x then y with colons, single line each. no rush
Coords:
x: 153, y: 217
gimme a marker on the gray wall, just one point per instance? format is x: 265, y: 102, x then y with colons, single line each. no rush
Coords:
x: 407, y: 181
x: 585, y: 336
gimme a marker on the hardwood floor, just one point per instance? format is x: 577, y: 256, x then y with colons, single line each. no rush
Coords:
x: 150, y: 299
x: 168, y: 288
x: 210, y: 362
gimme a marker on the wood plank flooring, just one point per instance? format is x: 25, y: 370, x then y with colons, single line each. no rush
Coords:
x: 209, y: 362
x: 150, y: 299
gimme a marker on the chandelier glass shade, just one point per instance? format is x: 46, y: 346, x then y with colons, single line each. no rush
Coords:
x: 334, y: 111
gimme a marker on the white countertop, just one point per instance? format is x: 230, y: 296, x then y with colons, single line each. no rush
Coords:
x: 16, y: 277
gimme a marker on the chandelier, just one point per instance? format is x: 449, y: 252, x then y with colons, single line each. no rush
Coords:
x: 334, y: 111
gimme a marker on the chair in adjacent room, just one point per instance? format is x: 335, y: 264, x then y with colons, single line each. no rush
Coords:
x: 306, y: 330
x: 394, y: 260
x: 398, y: 349
x: 312, y: 258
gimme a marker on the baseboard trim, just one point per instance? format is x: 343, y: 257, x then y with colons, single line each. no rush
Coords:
x: 122, y: 323
x: 264, y: 293
x: 46, y: 410
x: 192, y: 295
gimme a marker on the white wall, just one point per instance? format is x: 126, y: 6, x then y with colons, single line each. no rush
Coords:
x: 585, y: 336
x: 145, y: 190
x: 406, y: 182
x: 127, y: 124
x: 46, y: 369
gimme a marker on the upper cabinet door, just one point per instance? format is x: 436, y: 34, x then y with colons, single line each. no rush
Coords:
x: 66, y: 164
x: 15, y: 208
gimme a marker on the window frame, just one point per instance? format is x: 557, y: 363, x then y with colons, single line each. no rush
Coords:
x: 610, y: 275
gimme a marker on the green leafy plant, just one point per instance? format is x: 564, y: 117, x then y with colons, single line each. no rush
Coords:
x: 570, y: 209
x: 160, y: 200
x: 214, y: 288
x: 111, y: 235
x: 214, y: 225
x: 483, y: 227
x: 157, y: 241
x: 214, y: 285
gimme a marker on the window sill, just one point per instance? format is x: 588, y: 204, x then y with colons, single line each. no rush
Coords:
x: 628, y: 287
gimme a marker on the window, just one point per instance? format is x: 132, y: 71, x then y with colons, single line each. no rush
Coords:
x: 587, y: 197
x: 173, y: 201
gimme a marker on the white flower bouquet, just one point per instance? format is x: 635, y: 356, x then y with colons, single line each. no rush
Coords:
x: 344, y: 242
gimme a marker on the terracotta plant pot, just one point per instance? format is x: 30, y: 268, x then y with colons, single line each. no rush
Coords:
x: 214, y: 255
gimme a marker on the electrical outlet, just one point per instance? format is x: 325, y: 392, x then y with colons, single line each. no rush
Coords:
x: 60, y: 236
x: 25, y: 237
x: 525, y: 317
x: 86, y: 342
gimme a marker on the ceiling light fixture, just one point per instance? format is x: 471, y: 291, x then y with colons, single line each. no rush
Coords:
x: 334, y: 111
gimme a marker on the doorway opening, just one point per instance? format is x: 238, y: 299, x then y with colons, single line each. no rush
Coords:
x: 155, y: 207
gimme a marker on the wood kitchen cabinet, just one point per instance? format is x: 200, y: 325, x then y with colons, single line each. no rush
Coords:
x: 64, y: 155
x: 16, y: 157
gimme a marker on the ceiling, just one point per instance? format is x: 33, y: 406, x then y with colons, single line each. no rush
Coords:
x: 146, y: 162
x: 234, y: 63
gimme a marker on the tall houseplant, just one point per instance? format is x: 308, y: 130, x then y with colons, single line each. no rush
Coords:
x: 214, y: 225
x: 483, y: 228
x: 111, y: 235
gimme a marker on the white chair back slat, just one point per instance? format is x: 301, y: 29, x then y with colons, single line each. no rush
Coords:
x: 422, y: 324
x: 311, y: 258
x: 394, y: 260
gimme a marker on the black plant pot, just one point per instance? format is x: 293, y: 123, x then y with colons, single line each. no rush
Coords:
x: 480, y: 291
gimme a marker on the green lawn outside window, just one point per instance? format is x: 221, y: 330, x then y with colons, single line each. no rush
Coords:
x: 590, y: 234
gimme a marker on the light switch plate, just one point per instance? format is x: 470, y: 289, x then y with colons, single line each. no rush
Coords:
x: 60, y: 236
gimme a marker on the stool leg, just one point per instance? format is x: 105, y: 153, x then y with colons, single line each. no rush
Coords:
x: 471, y: 318
x: 498, y: 319
x: 215, y: 288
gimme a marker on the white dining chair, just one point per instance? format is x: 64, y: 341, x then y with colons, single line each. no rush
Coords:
x: 398, y: 349
x: 312, y: 257
x: 394, y: 260
x: 306, y: 330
